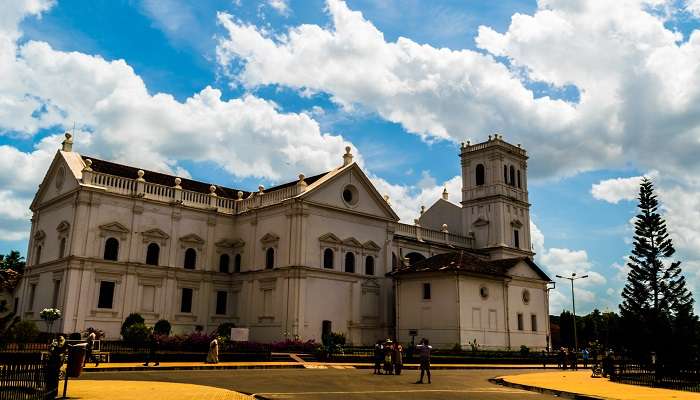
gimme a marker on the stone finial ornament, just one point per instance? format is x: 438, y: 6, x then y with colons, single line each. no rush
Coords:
x: 88, y: 165
x: 261, y: 189
x: 239, y: 195
x: 386, y: 198
x: 444, y: 228
x: 178, y: 181
x: 347, y: 157
x: 67, y: 144
x: 445, y: 195
x: 212, y: 190
x: 301, y: 177
x: 489, y: 138
x: 140, y: 175
x: 422, y: 210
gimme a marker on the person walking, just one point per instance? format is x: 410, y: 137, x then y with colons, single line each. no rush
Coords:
x: 213, y: 355
x: 544, y: 359
x: 388, y: 350
x: 398, y: 358
x: 378, y: 357
x: 573, y: 355
x: 424, y: 348
x: 584, y: 355
x: 153, y: 343
x: 89, y: 350
x: 564, y: 358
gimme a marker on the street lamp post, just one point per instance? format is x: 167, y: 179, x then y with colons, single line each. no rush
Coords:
x: 572, y: 278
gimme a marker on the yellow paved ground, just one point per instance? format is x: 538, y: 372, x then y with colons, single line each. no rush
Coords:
x: 581, y: 382
x: 130, y: 390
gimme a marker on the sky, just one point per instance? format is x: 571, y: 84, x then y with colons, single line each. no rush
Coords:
x: 243, y: 92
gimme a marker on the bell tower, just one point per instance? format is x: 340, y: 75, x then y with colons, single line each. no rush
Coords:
x: 495, y: 206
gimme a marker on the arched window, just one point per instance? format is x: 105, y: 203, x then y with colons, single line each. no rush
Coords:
x: 190, y: 258
x: 62, y: 248
x: 519, y: 180
x: 512, y: 175
x: 224, y: 261
x: 349, y: 262
x: 328, y: 258
x: 480, y: 174
x: 38, y: 255
x: 152, y: 254
x: 270, y: 258
x: 237, y: 263
x: 414, y: 257
x: 111, y: 249
x: 369, y: 265
x: 505, y: 174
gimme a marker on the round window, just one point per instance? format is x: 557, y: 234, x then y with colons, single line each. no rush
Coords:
x: 350, y: 195
x: 484, y: 292
x: 526, y: 296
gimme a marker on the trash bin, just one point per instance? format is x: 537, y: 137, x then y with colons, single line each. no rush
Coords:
x: 76, y: 357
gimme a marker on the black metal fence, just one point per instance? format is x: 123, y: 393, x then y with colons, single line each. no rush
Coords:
x: 24, y: 379
x: 661, y: 376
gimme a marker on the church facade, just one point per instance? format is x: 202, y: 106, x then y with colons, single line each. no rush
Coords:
x: 317, y: 254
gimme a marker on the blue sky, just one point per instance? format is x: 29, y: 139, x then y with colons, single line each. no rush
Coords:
x: 576, y: 121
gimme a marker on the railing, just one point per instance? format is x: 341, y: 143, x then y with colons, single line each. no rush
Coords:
x: 25, y: 380
x: 685, y: 377
x: 431, y: 235
x: 171, y: 194
x: 495, y: 142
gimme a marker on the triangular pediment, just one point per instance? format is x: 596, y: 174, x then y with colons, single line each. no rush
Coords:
x: 330, y: 238
x: 370, y: 245
x: 61, y: 177
x: 230, y: 243
x: 192, y: 238
x: 155, y: 233
x: 114, y: 227
x: 63, y: 226
x: 351, y: 241
x: 328, y: 191
x: 480, y: 222
x: 269, y: 238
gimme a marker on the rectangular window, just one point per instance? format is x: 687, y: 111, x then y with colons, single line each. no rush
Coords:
x: 186, y: 301
x: 533, y: 321
x: 56, y: 289
x: 32, y: 294
x: 267, y: 303
x: 221, y: 302
x: 516, y: 239
x: 426, y: 291
x: 520, y: 322
x: 148, y: 298
x: 106, y: 298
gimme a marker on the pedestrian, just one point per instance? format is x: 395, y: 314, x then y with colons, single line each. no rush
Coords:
x: 584, y: 355
x: 388, y: 350
x: 544, y: 359
x: 424, y: 351
x: 90, y: 348
x: 213, y: 355
x: 398, y: 358
x: 573, y: 356
x: 564, y: 358
x: 153, y: 343
x: 378, y: 357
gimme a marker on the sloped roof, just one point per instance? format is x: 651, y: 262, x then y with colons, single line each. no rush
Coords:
x: 125, y: 171
x: 465, y: 261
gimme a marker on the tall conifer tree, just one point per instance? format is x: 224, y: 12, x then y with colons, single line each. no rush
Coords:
x: 656, y: 301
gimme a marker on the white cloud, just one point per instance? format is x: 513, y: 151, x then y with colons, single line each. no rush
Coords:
x: 646, y: 87
x: 120, y: 120
x: 693, y: 7
x: 406, y: 200
x: 281, y: 6
x: 619, y: 189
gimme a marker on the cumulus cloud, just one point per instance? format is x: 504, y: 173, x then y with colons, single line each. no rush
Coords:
x: 281, y: 6
x: 120, y: 120
x: 619, y: 189
x: 406, y: 199
x: 645, y: 88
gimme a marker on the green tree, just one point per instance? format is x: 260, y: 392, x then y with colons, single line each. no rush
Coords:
x: 655, y: 300
x: 11, y: 270
x: 131, y: 319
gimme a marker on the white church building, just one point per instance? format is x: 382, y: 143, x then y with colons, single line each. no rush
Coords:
x: 320, y: 253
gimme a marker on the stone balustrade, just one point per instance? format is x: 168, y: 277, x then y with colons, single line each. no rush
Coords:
x: 430, y: 235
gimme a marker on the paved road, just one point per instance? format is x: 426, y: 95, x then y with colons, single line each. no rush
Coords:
x: 339, y: 383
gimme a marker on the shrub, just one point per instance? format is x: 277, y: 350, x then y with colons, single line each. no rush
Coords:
x: 457, y: 348
x: 338, y: 338
x: 524, y: 350
x: 162, y: 327
x: 198, y: 328
x: 25, y: 331
x: 137, y: 333
x: 224, y: 329
x: 132, y: 319
x: 99, y: 333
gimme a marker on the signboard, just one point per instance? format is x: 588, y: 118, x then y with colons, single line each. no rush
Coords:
x: 240, y: 334
x: 413, y: 332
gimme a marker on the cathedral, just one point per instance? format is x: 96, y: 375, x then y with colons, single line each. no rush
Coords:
x: 323, y: 253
